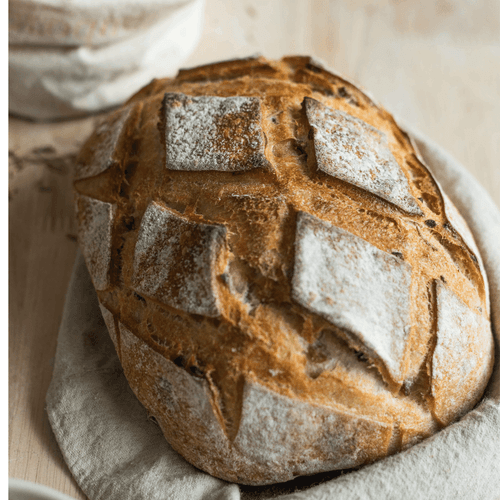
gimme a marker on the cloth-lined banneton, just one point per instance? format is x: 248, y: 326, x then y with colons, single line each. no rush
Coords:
x: 463, y: 343
x: 94, y: 234
x: 357, y: 287
x: 174, y: 260
x: 213, y: 133
x: 355, y: 152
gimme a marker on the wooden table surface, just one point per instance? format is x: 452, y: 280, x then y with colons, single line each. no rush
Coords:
x: 433, y: 63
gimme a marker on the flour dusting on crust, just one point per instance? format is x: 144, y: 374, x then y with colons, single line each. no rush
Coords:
x: 107, y: 136
x: 95, y: 225
x: 182, y: 403
x: 174, y: 260
x: 355, y: 286
x: 171, y: 385
x: 461, y: 363
x: 355, y: 152
x: 303, y: 437
x: 213, y: 133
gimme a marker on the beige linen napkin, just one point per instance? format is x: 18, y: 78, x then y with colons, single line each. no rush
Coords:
x: 116, y: 453
x: 48, y: 82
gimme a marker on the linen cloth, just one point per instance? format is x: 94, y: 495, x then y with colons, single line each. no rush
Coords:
x: 83, y: 22
x: 48, y: 82
x: 116, y: 453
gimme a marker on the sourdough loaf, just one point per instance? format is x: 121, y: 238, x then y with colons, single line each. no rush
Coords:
x: 287, y: 287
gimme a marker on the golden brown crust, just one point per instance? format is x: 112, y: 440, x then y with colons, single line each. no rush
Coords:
x: 271, y: 340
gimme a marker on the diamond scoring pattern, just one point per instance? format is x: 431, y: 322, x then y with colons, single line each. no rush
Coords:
x: 337, y: 275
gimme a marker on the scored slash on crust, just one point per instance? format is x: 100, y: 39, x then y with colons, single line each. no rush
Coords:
x: 107, y: 137
x: 460, y: 331
x: 357, y: 287
x: 458, y: 223
x: 182, y: 404
x: 174, y: 260
x: 95, y: 225
x: 305, y: 438
x: 355, y: 152
x: 213, y: 133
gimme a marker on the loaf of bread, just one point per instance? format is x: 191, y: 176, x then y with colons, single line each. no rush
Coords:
x: 287, y: 286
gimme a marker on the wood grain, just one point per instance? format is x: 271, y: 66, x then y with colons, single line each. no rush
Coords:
x: 42, y: 250
x: 434, y: 64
